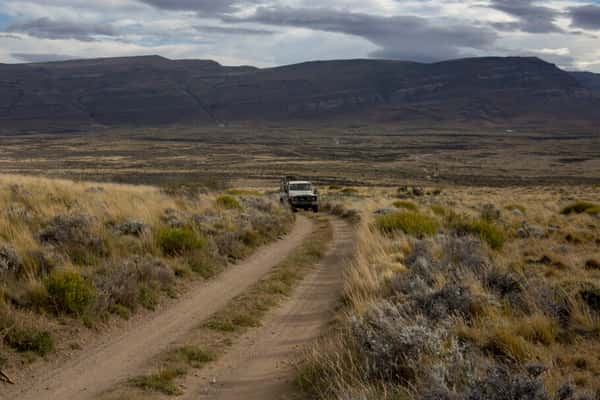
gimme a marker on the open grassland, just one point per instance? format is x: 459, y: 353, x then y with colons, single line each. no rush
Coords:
x: 75, y: 255
x: 357, y: 155
x: 465, y: 293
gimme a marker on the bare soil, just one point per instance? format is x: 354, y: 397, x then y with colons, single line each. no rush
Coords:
x: 116, y: 358
x: 261, y: 364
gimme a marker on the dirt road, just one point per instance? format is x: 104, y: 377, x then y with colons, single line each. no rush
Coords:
x: 260, y: 365
x: 99, y: 368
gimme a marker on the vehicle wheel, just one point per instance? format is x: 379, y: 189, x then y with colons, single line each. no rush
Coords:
x: 294, y: 209
x: 315, y: 209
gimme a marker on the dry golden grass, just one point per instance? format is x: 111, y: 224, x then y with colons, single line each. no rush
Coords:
x: 83, y: 253
x: 512, y: 323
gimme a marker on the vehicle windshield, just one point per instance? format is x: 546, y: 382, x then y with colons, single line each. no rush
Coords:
x: 300, y: 186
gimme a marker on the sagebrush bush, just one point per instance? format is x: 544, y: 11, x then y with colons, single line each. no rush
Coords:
x: 70, y: 293
x: 579, y: 208
x: 411, y: 223
x: 29, y: 339
x: 228, y: 202
x: 177, y: 241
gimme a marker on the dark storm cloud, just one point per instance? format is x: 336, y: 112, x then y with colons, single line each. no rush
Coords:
x: 201, y: 6
x: 38, y: 58
x: 47, y: 28
x: 532, y: 18
x: 405, y: 37
x: 230, y: 30
x: 586, y: 17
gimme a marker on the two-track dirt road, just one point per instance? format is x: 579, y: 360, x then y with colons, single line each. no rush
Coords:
x: 260, y: 366
x: 268, y: 349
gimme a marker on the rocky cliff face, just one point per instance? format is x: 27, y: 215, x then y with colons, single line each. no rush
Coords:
x: 154, y: 90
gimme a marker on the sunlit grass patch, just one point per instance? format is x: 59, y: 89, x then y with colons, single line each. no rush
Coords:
x: 411, y: 223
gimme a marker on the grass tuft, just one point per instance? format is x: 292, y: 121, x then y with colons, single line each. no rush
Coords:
x: 411, y: 223
x: 228, y: 202
x: 579, y: 208
x: 163, y: 381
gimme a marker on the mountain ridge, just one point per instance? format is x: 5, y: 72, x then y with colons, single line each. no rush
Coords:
x: 151, y: 90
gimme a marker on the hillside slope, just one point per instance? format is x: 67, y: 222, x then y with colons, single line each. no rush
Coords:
x: 153, y: 90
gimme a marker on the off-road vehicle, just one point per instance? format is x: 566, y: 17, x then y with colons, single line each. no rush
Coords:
x: 299, y: 194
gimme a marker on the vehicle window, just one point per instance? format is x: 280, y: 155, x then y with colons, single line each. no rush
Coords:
x: 300, y: 186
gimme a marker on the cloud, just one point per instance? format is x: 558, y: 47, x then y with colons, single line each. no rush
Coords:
x: 231, y: 30
x: 586, y: 17
x: 407, y: 37
x: 39, y: 58
x: 529, y: 16
x: 46, y: 28
x: 209, y: 7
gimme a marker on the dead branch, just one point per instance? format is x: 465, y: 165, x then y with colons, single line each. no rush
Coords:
x: 6, y: 378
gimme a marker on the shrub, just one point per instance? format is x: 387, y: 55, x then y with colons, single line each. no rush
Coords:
x: 593, y: 210
x: 591, y: 297
x: 242, y: 192
x: 162, y: 381
x: 592, y: 264
x: 503, y: 384
x: 411, y: 223
x: 350, y: 191
x: 176, y: 241
x: 228, y: 202
x: 490, y: 213
x: 30, y: 339
x: 578, y: 208
x: 70, y: 293
x: 486, y: 230
x: 193, y: 356
x: 409, y: 205
x: 204, y: 265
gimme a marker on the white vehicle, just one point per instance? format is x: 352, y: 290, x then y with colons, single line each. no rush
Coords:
x: 299, y: 194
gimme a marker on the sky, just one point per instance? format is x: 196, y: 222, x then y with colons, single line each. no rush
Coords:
x: 276, y: 32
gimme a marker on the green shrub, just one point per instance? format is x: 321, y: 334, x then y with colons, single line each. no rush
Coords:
x: 148, y: 297
x: 579, y: 208
x: 193, y: 356
x: 409, y: 205
x: 205, y: 265
x: 411, y: 223
x: 162, y: 382
x: 593, y: 211
x: 30, y: 339
x: 243, y: 192
x: 177, y: 241
x: 335, y: 187
x: 228, y: 202
x: 486, y: 230
x: 70, y: 293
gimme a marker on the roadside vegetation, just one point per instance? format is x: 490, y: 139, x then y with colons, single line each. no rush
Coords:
x: 470, y: 294
x: 76, y: 255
